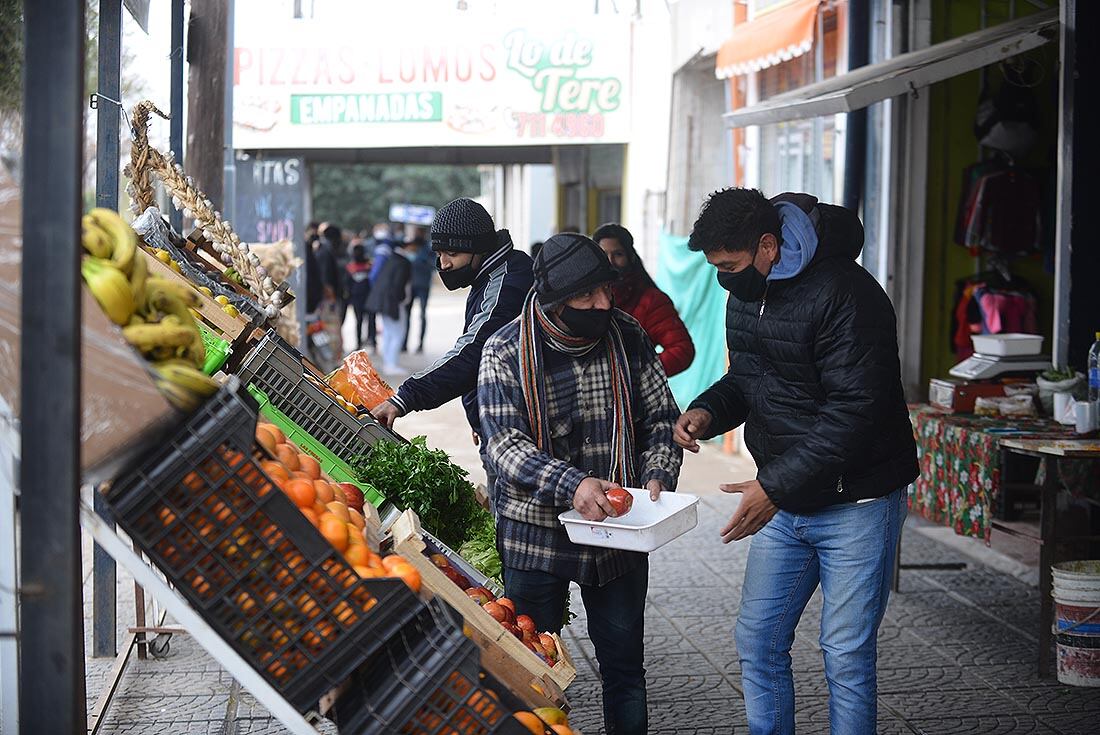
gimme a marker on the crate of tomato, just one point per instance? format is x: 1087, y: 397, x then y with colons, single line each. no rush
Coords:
x: 203, y: 508
x: 534, y: 665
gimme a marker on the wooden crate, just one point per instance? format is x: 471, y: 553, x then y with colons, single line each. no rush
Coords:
x: 237, y: 330
x: 203, y: 253
x: 502, y: 654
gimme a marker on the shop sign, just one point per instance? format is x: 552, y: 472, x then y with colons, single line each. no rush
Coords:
x: 454, y: 79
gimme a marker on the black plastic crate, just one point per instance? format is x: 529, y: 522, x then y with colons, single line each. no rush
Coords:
x: 248, y: 561
x: 277, y: 369
x: 426, y: 681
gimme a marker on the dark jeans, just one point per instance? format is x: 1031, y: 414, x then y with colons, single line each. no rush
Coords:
x: 616, y: 625
x: 422, y: 297
x: 361, y: 316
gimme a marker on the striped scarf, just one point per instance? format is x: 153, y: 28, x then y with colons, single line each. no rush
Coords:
x: 537, y: 327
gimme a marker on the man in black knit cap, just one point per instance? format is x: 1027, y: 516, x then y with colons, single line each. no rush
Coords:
x: 470, y: 253
x: 574, y: 402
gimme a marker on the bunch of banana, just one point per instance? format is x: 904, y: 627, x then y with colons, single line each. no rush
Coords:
x: 182, y: 384
x: 112, y: 270
x: 154, y: 313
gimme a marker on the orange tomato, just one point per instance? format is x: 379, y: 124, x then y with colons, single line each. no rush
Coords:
x: 288, y: 457
x: 388, y: 562
x: 310, y: 466
x: 357, y: 519
x: 280, y: 437
x: 335, y: 532
x: 408, y: 574
x: 340, y: 510
x: 358, y: 555
x: 355, y: 535
x: 531, y: 722
x: 266, y: 438
x: 325, y: 493
x: 561, y: 729
x: 299, y: 475
x: 275, y: 470
x: 311, y: 516
x: 367, y: 572
x: 302, y: 493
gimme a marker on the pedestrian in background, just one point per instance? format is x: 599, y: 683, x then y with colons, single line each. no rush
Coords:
x: 380, y: 247
x: 536, y: 246
x: 574, y: 402
x: 389, y: 297
x: 815, y: 378
x: 358, y: 276
x: 637, y: 295
x: 423, y: 274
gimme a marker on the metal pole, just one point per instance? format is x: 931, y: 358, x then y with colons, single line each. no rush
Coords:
x: 1063, y: 220
x: 229, y: 184
x: 855, y: 143
x: 52, y: 671
x: 175, y: 131
x: 106, y: 195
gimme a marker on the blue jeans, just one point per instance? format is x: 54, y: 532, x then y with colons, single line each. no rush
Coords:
x: 847, y: 549
x: 616, y: 625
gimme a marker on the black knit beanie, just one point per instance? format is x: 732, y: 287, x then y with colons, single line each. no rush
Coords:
x: 569, y: 264
x: 463, y: 226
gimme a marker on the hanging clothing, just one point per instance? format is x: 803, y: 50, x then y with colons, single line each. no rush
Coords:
x: 999, y: 211
x: 981, y: 308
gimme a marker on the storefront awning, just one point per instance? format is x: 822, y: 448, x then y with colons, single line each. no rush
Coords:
x: 776, y: 36
x: 901, y: 74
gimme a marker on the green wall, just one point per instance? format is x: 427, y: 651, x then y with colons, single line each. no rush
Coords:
x: 953, y: 147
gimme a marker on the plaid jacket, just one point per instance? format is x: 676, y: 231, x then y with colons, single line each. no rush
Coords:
x: 532, y: 487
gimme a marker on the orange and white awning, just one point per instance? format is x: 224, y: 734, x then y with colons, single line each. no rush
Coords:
x: 776, y: 36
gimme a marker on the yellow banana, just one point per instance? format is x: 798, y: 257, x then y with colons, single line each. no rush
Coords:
x: 110, y: 288
x: 122, y: 235
x: 187, y: 377
x: 181, y: 291
x: 94, y: 239
x: 138, y: 275
x: 178, y: 396
x: 146, y: 337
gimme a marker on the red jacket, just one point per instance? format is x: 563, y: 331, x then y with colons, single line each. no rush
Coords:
x: 656, y: 313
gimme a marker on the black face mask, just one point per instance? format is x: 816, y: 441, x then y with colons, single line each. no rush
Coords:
x: 748, y: 285
x: 588, y: 323
x: 456, y: 278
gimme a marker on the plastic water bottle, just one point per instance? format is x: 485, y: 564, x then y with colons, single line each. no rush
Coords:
x: 1094, y: 373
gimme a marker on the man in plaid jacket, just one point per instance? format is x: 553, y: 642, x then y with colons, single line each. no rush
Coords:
x: 573, y: 402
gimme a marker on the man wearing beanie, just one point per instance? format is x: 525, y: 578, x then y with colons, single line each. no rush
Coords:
x: 574, y: 402
x: 815, y: 378
x: 470, y: 253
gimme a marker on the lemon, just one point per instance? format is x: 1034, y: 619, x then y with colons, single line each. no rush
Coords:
x: 223, y: 300
x: 163, y: 256
x: 231, y: 310
x: 206, y: 292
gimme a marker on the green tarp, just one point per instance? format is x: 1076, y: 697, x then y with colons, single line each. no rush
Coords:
x: 689, y: 280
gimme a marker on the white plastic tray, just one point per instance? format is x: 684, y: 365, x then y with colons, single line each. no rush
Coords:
x: 646, y: 527
x: 1007, y: 345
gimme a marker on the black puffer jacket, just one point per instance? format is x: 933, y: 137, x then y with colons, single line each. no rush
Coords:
x: 815, y: 377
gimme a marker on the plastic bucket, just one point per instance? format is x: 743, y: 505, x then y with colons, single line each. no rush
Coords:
x: 1077, y: 621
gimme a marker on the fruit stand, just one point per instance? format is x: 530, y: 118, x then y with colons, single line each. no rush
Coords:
x: 274, y: 519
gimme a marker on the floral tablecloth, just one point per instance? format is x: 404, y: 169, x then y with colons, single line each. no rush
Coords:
x: 960, y: 465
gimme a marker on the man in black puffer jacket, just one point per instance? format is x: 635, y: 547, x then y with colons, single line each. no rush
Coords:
x: 470, y: 253
x: 815, y: 377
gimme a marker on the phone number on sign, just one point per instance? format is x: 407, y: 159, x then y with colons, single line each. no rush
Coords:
x: 571, y: 125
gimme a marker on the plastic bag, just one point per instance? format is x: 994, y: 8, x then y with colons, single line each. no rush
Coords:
x: 359, y: 382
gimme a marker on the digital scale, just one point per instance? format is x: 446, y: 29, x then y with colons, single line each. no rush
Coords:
x: 986, y: 367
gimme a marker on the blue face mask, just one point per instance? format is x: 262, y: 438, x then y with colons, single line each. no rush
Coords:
x: 747, y: 285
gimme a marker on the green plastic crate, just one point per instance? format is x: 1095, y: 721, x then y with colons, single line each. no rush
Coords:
x: 217, y: 351
x: 331, y: 465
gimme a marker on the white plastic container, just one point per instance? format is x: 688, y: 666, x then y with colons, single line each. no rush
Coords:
x: 646, y: 527
x: 1007, y: 345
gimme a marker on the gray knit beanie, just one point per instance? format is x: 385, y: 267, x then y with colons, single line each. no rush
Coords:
x: 463, y: 226
x: 569, y: 264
